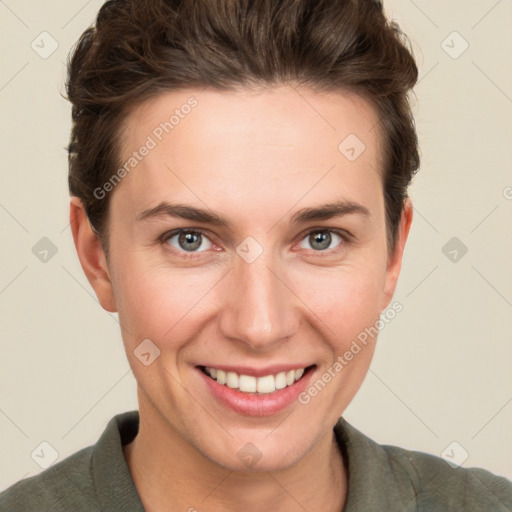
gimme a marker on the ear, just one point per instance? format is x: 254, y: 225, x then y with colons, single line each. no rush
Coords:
x: 394, y: 263
x: 91, y: 255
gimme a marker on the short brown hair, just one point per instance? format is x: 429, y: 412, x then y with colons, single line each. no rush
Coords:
x: 140, y: 48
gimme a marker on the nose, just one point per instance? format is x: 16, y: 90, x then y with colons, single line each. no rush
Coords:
x: 258, y: 307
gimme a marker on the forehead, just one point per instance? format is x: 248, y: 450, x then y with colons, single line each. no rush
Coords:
x: 273, y: 145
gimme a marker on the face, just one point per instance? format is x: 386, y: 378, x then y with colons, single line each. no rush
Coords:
x: 245, y: 241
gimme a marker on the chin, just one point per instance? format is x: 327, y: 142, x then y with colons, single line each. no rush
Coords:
x: 259, y: 453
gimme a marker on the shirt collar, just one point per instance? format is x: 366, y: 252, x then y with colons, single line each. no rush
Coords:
x: 112, y: 478
x: 375, y: 482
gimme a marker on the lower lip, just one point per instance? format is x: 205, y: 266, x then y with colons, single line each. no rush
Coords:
x: 257, y: 405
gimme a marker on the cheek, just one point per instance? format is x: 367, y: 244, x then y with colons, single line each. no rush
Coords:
x: 346, y: 299
x: 345, y: 309
x: 157, y: 302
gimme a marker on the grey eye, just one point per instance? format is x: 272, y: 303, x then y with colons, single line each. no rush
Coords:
x: 189, y: 241
x: 321, y: 240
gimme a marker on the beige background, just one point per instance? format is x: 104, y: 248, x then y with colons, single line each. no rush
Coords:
x: 442, y: 371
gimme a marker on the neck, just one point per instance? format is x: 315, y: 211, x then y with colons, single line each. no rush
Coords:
x: 169, y: 472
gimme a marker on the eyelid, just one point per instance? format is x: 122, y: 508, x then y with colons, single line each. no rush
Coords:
x: 172, y: 232
x: 341, y: 232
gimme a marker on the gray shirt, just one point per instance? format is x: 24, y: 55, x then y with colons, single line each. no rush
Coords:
x: 381, y: 479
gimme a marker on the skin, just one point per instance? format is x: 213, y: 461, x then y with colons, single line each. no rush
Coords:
x: 255, y: 158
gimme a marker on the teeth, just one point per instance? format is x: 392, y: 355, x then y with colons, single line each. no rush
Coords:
x: 250, y: 384
x: 266, y: 384
x: 281, y: 380
x: 247, y: 383
x: 232, y: 380
x: 221, y: 376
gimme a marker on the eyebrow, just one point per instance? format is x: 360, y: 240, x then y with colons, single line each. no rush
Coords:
x: 322, y: 212
x: 330, y: 211
x: 183, y: 211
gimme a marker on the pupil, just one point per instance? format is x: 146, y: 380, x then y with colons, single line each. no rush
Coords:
x: 192, y: 239
x: 323, y: 239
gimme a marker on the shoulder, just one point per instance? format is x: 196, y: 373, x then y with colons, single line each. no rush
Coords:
x: 93, y: 479
x: 414, y: 481
x: 445, y: 487
x: 67, y: 485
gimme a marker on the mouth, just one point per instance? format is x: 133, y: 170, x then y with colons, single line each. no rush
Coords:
x: 256, y: 384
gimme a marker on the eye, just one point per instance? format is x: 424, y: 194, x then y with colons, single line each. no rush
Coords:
x: 321, y: 239
x: 188, y: 240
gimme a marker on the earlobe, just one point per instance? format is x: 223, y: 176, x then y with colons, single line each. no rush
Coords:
x: 91, y: 255
x: 394, y: 263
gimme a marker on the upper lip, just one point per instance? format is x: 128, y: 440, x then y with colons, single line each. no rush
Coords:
x: 258, y: 372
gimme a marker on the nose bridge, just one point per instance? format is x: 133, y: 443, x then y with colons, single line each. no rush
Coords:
x: 260, y: 310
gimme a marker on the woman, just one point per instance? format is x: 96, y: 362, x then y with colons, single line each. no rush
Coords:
x: 239, y: 173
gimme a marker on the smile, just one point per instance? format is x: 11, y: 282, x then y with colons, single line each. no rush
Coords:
x: 255, y: 385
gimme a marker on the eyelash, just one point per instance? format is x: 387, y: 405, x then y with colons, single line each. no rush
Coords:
x: 344, y: 235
